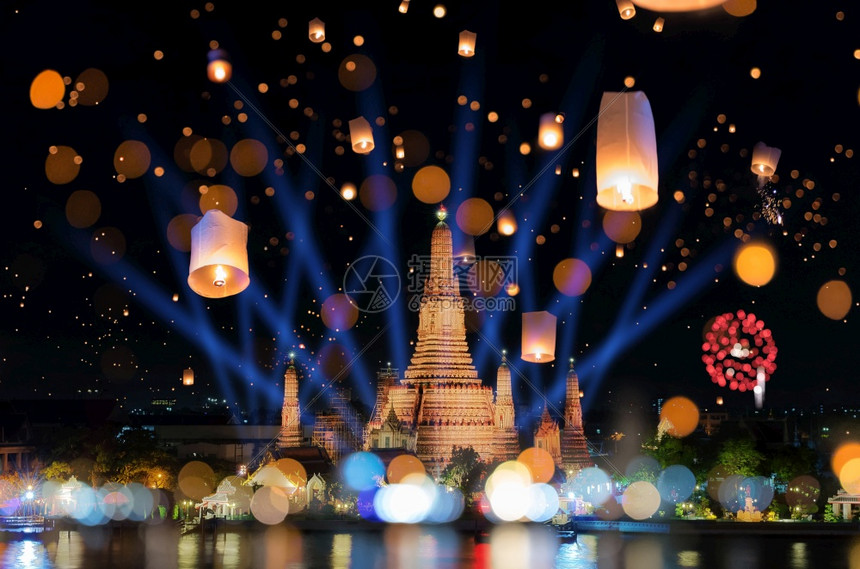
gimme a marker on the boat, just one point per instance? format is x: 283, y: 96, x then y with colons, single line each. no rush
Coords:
x: 564, y: 525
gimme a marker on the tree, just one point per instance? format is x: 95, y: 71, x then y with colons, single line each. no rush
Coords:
x: 465, y: 471
x: 741, y: 456
x: 58, y: 470
x: 669, y: 450
x: 789, y: 462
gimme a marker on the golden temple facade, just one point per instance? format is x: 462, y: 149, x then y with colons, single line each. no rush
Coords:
x: 440, y: 396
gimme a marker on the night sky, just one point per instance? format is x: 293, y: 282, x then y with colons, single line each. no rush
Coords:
x: 95, y: 252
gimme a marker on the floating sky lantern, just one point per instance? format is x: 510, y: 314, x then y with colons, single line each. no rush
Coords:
x: 219, y: 69
x: 467, y: 43
x: 316, y: 30
x: 658, y: 25
x: 677, y: 5
x: 626, y: 9
x: 188, y: 376
x: 550, y: 132
x: 219, y: 256
x: 506, y: 223
x: 764, y: 159
x: 361, y: 135
x: 538, y: 337
x: 626, y: 160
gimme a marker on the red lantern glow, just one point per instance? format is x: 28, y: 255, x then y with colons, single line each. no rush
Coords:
x: 737, y: 350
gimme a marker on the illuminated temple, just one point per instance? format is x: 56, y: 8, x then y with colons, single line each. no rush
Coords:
x: 440, y: 402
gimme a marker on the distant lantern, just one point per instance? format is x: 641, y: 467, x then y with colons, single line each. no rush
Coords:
x: 506, y: 223
x: 658, y: 24
x: 550, y: 132
x: 764, y: 159
x: 626, y: 152
x: 677, y: 5
x: 404, y: 6
x: 219, y: 256
x: 538, y: 337
x: 316, y: 30
x: 188, y: 376
x: 626, y: 9
x: 467, y: 43
x: 361, y: 135
x: 219, y: 69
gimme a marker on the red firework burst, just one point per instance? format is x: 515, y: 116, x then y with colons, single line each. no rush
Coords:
x: 739, y: 351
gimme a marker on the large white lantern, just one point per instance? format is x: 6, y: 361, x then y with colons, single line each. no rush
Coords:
x: 677, y: 5
x: 764, y: 159
x: 626, y: 9
x: 361, y: 135
x: 626, y: 164
x: 538, y: 337
x: 219, y: 256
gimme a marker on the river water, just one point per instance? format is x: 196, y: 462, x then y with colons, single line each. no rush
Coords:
x: 510, y: 546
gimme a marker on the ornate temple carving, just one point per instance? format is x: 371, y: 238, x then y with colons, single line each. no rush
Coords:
x: 574, y: 446
x: 440, y: 397
x: 291, y: 427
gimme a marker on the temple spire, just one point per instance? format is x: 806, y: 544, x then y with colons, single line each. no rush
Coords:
x: 291, y: 428
x: 574, y: 446
x: 441, y: 353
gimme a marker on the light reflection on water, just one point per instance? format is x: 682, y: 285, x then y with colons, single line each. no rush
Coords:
x: 507, y: 546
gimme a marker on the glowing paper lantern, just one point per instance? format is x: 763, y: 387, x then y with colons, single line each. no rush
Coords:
x: 677, y: 5
x: 658, y: 25
x: 316, y: 30
x: 361, y: 135
x: 538, y: 337
x: 219, y: 256
x: 188, y: 376
x: 219, y: 69
x: 834, y: 299
x: 755, y: 263
x: 626, y: 152
x: 626, y: 9
x: 550, y: 132
x: 506, y: 223
x: 404, y: 6
x: 467, y: 43
x: 764, y: 159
